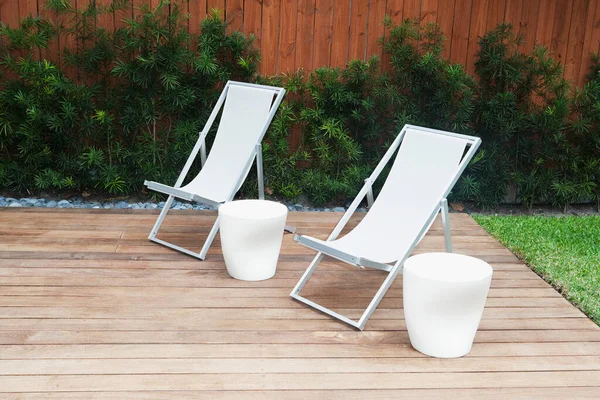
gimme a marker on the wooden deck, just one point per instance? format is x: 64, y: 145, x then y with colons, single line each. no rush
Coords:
x: 87, y: 304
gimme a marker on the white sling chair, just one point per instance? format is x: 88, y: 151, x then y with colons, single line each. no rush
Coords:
x: 428, y: 164
x: 247, y: 113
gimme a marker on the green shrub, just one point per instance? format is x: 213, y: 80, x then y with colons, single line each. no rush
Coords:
x: 520, y: 114
x: 127, y: 105
x: 583, y: 168
x: 144, y: 91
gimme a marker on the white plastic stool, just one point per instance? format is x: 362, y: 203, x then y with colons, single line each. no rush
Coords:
x: 444, y: 296
x: 251, y: 234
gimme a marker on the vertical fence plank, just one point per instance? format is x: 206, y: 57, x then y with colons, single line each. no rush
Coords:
x: 543, y: 33
x: 305, y: 34
x: 528, y: 24
x: 234, y: 12
x: 358, y: 30
x: 395, y: 10
x: 428, y: 11
x: 573, y: 59
x: 253, y: 19
x: 323, y: 27
x: 339, y: 35
x: 270, y: 37
x: 28, y: 8
x: 446, y: 22
x: 512, y: 13
x: 216, y: 5
x: 477, y: 30
x: 412, y: 9
x: 560, y: 32
x: 197, y: 11
x: 591, y: 40
x: 287, y: 36
x: 495, y: 15
x: 375, y: 28
x: 10, y: 13
x: 460, y: 32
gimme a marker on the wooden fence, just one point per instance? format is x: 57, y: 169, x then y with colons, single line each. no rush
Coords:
x: 307, y: 34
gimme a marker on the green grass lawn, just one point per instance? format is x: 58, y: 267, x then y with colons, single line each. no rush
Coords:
x: 565, y: 251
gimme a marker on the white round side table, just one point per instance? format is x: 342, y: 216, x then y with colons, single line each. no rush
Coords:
x: 251, y: 235
x: 444, y: 297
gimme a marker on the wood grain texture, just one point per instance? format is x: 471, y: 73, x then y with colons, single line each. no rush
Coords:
x: 358, y: 30
x: 574, y: 55
x: 234, y: 14
x: 477, y: 30
x: 253, y: 19
x: 340, y: 33
x: 90, y: 309
x: 528, y: 24
x: 323, y: 29
x: 197, y: 11
x: 560, y: 29
x: 446, y: 9
x: 429, y: 11
x: 495, y: 13
x: 412, y: 10
x: 270, y: 37
x: 287, y: 37
x: 305, y: 30
x: 460, y: 31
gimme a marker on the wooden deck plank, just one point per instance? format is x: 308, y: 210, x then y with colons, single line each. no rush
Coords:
x: 90, y: 309
x: 333, y: 381
x: 295, y: 366
x: 544, y: 334
x: 468, y: 394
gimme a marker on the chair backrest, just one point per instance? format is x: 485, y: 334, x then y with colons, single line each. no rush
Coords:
x: 244, y: 121
x: 425, y: 169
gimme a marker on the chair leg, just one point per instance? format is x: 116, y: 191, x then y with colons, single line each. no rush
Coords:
x: 209, y: 239
x: 259, y: 172
x: 446, y: 225
x: 158, y: 223
x: 295, y: 294
x: 307, y: 274
x: 370, y: 309
x: 161, y: 217
x: 379, y: 295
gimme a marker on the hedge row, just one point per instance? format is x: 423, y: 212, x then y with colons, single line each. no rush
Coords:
x: 128, y: 105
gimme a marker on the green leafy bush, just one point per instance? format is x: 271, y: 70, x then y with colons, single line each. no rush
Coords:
x: 133, y: 111
x: 127, y: 105
x: 583, y: 169
x: 521, y: 113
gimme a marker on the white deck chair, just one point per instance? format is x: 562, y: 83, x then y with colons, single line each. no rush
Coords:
x: 248, y: 110
x: 428, y: 164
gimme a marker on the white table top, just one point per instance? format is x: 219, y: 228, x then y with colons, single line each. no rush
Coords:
x: 253, y: 209
x: 448, y: 267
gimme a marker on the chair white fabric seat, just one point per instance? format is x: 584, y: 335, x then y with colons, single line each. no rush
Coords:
x: 248, y: 110
x: 427, y: 165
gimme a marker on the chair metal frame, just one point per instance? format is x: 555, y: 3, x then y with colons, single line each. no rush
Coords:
x: 200, y: 147
x: 393, y: 270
